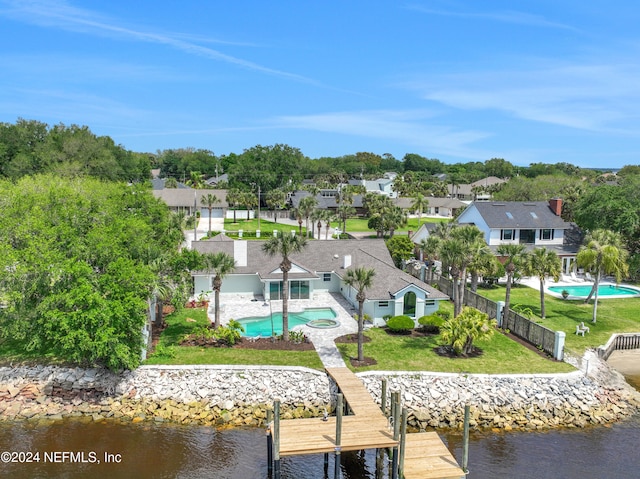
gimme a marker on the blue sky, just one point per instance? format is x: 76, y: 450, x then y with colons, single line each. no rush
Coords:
x: 460, y: 80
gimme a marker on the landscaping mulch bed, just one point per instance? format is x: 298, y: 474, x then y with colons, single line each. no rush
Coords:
x: 353, y: 339
x: 270, y: 344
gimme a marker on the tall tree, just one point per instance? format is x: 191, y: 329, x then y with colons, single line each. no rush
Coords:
x: 419, y: 204
x: 221, y: 264
x: 196, y: 180
x: 307, y: 205
x: 234, y: 198
x: 602, y: 253
x: 543, y: 263
x: 209, y: 201
x: 513, y: 259
x: 285, y: 245
x: 360, y: 279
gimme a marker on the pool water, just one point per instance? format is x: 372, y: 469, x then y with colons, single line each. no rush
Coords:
x: 582, y: 291
x: 268, y: 325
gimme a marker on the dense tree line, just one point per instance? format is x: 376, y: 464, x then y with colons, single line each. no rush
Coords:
x: 30, y: 147
x: 79, y: 260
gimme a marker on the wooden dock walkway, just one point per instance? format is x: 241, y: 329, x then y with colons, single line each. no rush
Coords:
x: 425, y: 455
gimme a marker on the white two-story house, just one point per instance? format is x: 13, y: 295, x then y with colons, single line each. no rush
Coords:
x: 532, y: 223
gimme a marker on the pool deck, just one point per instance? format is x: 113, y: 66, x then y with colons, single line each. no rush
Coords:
x: 238, y: 306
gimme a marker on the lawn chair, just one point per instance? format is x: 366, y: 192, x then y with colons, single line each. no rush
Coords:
x: 575, y: 278
x: 588, y: 277
x: 581, y: 329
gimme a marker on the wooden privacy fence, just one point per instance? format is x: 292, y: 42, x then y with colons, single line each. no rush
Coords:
x: 618, y: 342
x: 521, y: 326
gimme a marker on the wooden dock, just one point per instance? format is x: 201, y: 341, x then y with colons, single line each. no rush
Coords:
x: 425, y: 455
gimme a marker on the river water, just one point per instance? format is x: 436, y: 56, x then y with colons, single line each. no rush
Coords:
x: 117, y: 450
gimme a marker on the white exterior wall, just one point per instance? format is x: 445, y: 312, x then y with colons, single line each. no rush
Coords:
x: 471, y: 215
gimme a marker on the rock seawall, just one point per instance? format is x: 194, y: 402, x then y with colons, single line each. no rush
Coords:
x: 241, y: 395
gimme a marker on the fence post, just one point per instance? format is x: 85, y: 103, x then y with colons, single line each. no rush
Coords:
x: 499, y: 310
x: 558, y: 345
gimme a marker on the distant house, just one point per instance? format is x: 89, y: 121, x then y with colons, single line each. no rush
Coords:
x: 477, y: 191
x: 532, y: 223
x: 189, y: 200
x: 321, y: 267
x: 446, y: 207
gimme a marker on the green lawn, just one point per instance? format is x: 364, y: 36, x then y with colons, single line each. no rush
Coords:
x: 179, y: 327
x: 403, y: 353
x: 353, y: 225
x: 266, y: 227
x: 614, y: 315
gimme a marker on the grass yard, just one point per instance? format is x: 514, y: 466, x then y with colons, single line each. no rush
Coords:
x: 170, y: 352
x: 500, y: 355
x: 614, y: 315
x: 266, y: 227
x: 360, y: 224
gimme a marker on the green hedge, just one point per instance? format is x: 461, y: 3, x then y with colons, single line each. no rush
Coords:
x: 400, y: 324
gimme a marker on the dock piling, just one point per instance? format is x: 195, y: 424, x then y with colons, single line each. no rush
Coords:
x: 276, y: 439
x: 465, y: 449
x: 269, y: 442
x: 339, y: 410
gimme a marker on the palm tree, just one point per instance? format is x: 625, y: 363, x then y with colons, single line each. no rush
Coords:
x: 360, y: 279
x: 221, y: 264
x: 602, y: 253
x: 459, y: 252
x: 430, y: 248
x: 328, y: 218
x: 209, y: 200
x: 285, y: 245
x: 297, y: 212
x: 513, y: 255
x: 484, y: 262
x: 234, y: 197
x: 170, y: 183
x: 344, y: 212
x: 543, y: 263
x: 420, y: 202
x: 250, y: 201
x: 196, y: 180
x: 307, y: 205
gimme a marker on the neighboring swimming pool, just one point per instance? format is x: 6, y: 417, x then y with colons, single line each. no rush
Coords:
x: 268, y: 325
x: 605, y: 290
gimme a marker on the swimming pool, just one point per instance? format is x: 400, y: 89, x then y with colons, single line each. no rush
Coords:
x: 605, y: 290
x: 268, y: 325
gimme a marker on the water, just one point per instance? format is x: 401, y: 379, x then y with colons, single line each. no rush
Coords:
x: 266, y: 326
x: 189, y: 452
x: 603, y: 290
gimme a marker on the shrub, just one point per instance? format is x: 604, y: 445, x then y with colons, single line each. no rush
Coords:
x: 229, y: 334
x: 445, y: 315
x: 431, y: 324
x: 401, y: 324
x: 297, y: 337
x: 469, y: 326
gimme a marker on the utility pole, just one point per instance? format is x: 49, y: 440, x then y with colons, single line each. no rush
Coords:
x: 195, y: 216
x: 258, y: 207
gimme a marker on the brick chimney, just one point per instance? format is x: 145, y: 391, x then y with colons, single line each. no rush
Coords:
x: 556, y: 206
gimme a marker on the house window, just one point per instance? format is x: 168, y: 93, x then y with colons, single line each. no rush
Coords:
x: 507, y: 235
x: 299, y: 290
x: 546, y: 234
x: 429, y: 302
x: 437, y: 210
x: 275, y: 290
x: 326, y: 277
x: 383, y: 304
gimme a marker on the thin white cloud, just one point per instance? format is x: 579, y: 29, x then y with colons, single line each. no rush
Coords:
x: 408, y: 127
x: 60, y: 14
x: 508, y: 16
x: 595, y: 97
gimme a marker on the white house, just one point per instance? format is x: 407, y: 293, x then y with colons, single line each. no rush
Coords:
x: 532, y: 223
x: 321, y: 267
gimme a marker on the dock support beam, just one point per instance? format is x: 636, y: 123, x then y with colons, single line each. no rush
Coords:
x: 339, y: 410
x: 383, y: 401
x: 395, y: 411
x: 276, y: 439
x: 269, y: 442
x: 465, y: 447
x: 403, y: 438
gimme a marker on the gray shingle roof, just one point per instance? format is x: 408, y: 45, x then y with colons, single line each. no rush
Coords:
x: 180, y: 197
x: 516, y: 214
x: 326, y: 257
